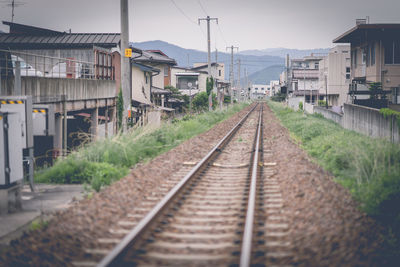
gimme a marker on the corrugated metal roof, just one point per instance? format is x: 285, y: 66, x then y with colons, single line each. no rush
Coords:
x: 63, y: 40
x: 150, y: 57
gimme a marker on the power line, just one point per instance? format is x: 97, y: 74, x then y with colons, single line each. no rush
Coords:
x: 223, y: 38
x: 183, y: 13
x: 202, y: 7
x: 186, y: 16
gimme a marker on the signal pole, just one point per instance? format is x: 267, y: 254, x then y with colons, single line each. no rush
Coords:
x: 231, y: 69
x: 208, y: 19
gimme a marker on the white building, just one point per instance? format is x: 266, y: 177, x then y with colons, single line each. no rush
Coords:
x: 275, y: 87
x: 305, y: 78
x: 334, y: 75
x: 258, y: 91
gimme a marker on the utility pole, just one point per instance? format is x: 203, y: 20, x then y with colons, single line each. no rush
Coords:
x: 239, y: 73
x: 287, y: 76
x: 125, y: 63
x: 231, y: 68
x: 208, y: 19
x: 216, y: 56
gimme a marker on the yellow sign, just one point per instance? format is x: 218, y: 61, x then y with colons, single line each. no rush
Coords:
x: 128, y: 52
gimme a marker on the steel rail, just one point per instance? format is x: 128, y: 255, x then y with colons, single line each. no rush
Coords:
x: 245, y: 256
x: 116, y: 255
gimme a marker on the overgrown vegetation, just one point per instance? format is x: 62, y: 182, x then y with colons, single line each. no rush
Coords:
x: 177, y: 94
x: 369, y: 168
x: 120, y: 108
x: 279, y: 97
x: 322, y: 103
x: 105, y: 161
x: 300, y: 105
x: 200, y: 101
x: 388, y: 113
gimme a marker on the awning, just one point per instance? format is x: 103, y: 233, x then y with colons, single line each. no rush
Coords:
x: 165, y: 108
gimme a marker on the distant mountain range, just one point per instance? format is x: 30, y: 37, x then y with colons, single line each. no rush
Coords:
x: 261, y: 65
x: 266, y: 75
x: 282, y: 52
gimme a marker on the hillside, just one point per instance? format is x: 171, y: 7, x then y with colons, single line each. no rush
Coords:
x: 264, y: 76
x: 282, y: 52
x: 252, y: 63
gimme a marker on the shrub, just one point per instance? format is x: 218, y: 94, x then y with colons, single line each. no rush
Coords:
x: 301, y: 105
x: 278, y: 97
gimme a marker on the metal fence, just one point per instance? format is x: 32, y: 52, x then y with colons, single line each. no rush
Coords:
x: 34, y: 65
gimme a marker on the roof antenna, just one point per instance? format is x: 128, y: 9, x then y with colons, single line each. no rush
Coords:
x: 70, y: 30
x: 13, y: 4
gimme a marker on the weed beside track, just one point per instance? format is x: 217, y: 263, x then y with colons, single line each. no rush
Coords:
x: 369, y: 168
x: 105, y: 161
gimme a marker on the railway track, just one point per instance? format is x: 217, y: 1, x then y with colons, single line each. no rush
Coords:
x: 216, y: 214
x: 208, y: 217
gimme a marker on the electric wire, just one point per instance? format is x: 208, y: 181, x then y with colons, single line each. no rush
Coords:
x: 187, y: 17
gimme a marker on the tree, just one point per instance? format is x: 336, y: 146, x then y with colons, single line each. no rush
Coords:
x: 200, y: 101
x: 177, y: 94
x: 209, y: 85
x: 375, y: 88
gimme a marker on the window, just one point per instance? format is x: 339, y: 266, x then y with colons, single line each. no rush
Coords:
x: 146, y: 78
x: 347, y: 69
x: 372, y: 57
x: 316, y: 66
x: 166, y: 71
x: 347, y: 76
x: 392, y: 52
x: 354, y: 58
x: 219, y: 73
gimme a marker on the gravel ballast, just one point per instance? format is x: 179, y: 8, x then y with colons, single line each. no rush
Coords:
x: 326, y: 227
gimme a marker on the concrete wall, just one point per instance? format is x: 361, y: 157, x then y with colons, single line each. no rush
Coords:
x: 329, y: 114
x: 294, y: 102
x: 309, y: 108
x: 45, y: 90
x: 370, y: 122
x: 364, y: 120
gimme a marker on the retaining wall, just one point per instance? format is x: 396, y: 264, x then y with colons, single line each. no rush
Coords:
x: 371, y: 122
x: 329, y: 114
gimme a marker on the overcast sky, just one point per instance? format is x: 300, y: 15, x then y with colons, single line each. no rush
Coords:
x: 249, y: 24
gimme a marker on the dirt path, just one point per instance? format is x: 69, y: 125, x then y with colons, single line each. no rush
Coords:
x: 326, y: 228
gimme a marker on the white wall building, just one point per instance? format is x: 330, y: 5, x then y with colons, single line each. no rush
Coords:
x: 258, y: 91
x: 334, y: 75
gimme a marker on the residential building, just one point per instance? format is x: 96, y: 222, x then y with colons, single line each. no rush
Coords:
x: 334, y: 76
x: 156, y: 59
x: 304, y: 77
x: 375, y: 57
x: 74, y: 74
x: 217, y: 69
x: 188, y: 81
x: 274, y: 87
x: 259, y: 91
x: 217, y: 72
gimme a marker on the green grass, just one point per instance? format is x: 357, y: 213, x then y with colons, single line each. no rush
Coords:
x: 105, y: 161
x: 369, y: 168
